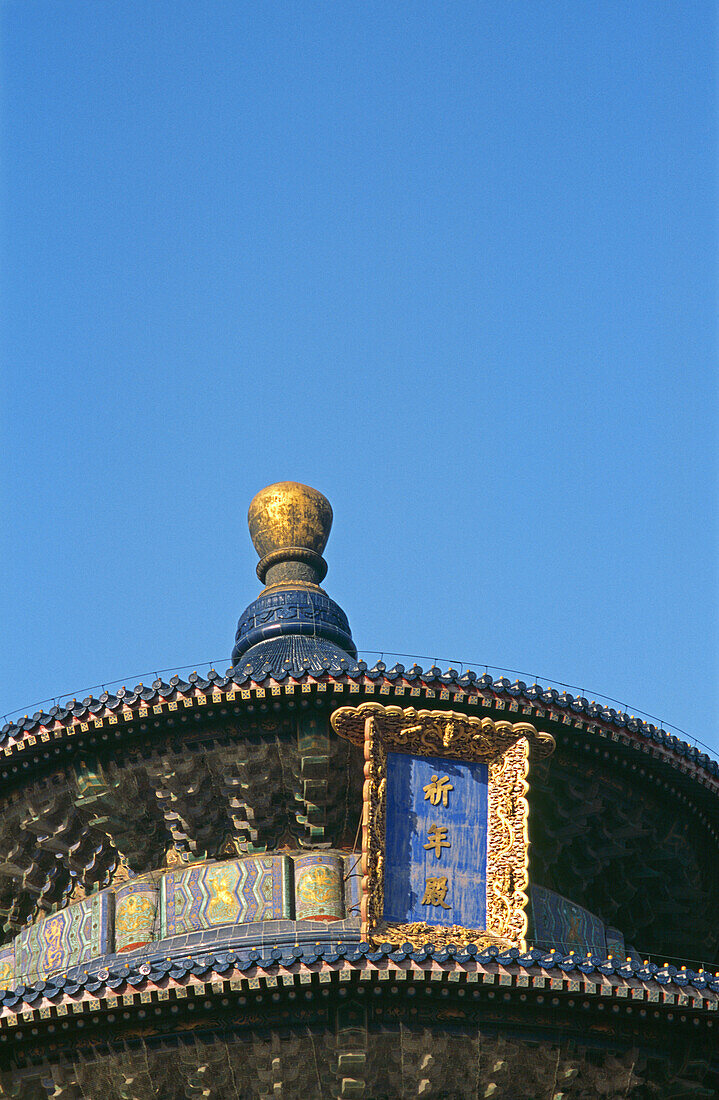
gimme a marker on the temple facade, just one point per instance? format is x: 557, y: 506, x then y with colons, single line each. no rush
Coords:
x: 306, y: 877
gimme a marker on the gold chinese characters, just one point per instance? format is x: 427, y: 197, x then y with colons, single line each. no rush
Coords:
x: 437, y: 837
x: 437, y: 792
x: 435, y: 891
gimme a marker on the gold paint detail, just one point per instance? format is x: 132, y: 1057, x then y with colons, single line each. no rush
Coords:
x: 505, y: 748
x: 508, y: 844
x: 418, y: 933
x: 78, y: 894
x: 231, y: 847
x: 175, y: 858
x: 122, y: 872
x: 289, y: 514
x: 318, y: 886
x: 438, y: 732
x: 135, y: 914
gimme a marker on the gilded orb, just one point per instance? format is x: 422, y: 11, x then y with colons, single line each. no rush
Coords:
x: 289, y: 514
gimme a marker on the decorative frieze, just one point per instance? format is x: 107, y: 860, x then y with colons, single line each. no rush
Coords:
x: 71, y: 936
x: 233, y: 892
x: 136, y: 914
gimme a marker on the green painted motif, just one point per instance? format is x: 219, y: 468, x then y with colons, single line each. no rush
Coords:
x: 235, y: 892
x: 73, y: 935
x: 135, y: 914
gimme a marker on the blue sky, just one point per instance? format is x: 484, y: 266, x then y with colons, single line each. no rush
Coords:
x: 452, y: 264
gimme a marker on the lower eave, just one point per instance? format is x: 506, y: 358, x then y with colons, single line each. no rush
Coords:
x: 580, y: 994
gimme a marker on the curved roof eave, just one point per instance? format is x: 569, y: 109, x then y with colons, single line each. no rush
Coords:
x: 413, y: 684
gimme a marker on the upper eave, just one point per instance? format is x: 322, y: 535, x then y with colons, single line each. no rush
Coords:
x: 144, y: 708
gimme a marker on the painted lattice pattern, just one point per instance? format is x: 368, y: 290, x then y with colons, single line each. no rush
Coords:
x: 234, y: 892
x: 562, y: 924
x: 73, y: 935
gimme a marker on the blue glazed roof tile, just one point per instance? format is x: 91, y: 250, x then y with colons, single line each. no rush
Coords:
x: 309, y: 954
x: 297, y: 656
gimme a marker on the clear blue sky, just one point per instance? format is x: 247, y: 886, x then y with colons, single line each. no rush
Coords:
x: 454, y: 264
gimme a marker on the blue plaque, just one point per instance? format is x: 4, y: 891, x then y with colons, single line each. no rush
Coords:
x: 444, y: 824
x: 435, y: 867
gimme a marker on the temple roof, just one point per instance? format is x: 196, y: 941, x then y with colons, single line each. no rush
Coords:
x: 625, y: 811
x: 294, y: 631
x: 114, y: 975
x: 330, y: 663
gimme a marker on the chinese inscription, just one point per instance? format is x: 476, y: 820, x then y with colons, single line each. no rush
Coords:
x: 436, y: 841
x: 438, y: 790
x: 435, y: 891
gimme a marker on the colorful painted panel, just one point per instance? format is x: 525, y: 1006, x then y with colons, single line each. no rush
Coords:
x: 436, y: 841
x: 238, y: 891
x: 7, y: 966
x: 319, y: 887
x: 81, y: 932
x: 615, y: 943
x: 135, y: 915
x: 562, y: 924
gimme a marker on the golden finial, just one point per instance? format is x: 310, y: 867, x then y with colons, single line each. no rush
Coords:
x: 289, y: 525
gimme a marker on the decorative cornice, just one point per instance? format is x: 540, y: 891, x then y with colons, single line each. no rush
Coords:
x: 444, y: 732
x: 103, y: 718
x: 142, y: 987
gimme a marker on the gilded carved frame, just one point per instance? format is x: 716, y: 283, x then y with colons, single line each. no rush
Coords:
x: 504, y: 747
